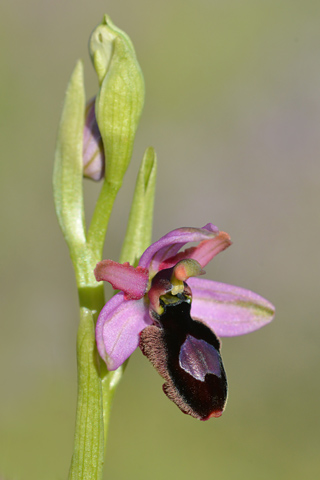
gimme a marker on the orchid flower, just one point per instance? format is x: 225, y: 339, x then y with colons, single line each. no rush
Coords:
x: 175, y: 317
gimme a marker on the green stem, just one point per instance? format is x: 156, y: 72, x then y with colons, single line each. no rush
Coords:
x: 100, y: 219
x: 88, y: 455
x: 110, y: 382
x: 96, y: 388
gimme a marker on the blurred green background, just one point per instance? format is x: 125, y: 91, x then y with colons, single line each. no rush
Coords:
x: 233, y: 110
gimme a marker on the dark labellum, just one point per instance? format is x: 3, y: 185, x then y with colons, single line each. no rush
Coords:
x: 186, y: 353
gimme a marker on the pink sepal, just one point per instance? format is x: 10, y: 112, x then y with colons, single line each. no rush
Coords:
x: 118, y: 327
x: 228, y: 310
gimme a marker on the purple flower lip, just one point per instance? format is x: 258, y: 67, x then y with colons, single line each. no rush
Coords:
x: 159, y: 282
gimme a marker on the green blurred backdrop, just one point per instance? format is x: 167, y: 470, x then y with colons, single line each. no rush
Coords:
x: 233, y: 110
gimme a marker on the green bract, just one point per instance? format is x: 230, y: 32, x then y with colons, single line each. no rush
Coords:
x: 138, y: 235
x: 67, y: 175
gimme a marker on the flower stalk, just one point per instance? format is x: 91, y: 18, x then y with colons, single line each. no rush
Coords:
x: 88, y: 452
x: 118, y: 107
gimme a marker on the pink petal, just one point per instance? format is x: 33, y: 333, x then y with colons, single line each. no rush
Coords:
x: 228, y: 310
x: 169, y: 245
x: 203, y: 253
x: 118, y: 327
x: 132, y: 281
x: 93, y: 153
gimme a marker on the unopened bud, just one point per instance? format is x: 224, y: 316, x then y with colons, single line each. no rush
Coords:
x: 120, y: 98
x: 93, y: 152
